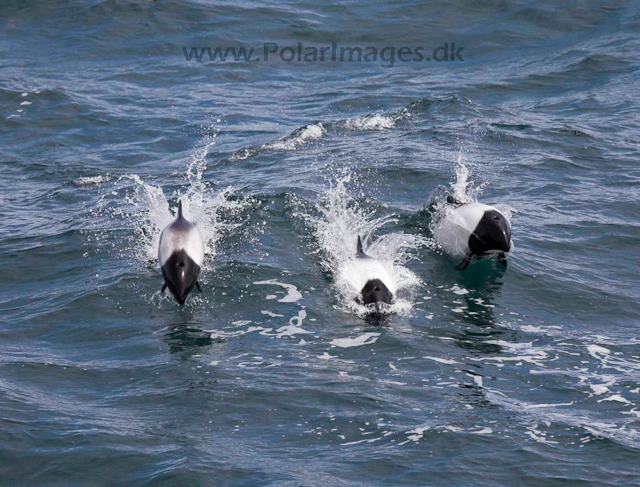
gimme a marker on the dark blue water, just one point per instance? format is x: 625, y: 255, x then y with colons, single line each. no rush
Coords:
x: 524, y: 375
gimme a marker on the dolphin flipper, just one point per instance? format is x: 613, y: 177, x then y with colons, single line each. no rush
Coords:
x: 502, y: 258
x: 198, y: 286
x: 466, y: 260
x: 359, y: 250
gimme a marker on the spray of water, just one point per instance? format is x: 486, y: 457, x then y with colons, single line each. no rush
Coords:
x: 146, y: 209
x: 340, y: 219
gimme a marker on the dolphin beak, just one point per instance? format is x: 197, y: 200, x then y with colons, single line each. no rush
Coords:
x: 505, y: 242
x: 182, y: 292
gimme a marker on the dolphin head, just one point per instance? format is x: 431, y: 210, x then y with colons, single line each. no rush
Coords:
x: 180, y: 274
x: 493, y: 234
x: 374, y: 291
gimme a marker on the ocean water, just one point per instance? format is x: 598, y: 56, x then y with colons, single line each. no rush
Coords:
x: 524, y: 375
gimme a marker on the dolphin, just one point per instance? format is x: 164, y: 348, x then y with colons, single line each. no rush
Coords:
x: 180, y: 253
x: 473, y: 231
x: 373, y: 274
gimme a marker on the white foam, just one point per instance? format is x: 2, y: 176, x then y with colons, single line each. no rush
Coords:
x: 416, y: 434
x: 370, y: 122
x: 293, y: 294
x: 477, y: 379
x: 294, y: 327
x: 551, y: 413
x: 326, y: 356
x: 596, y: 351
x: 461, y: 184
x: 540, y: 437
x: 616, y: 398
x: 271, y: 314
x: 599, y: 389
x: 458, y: 290
x: 532, y: 354
x: 241, y: 322
x: 442, y: 360
x: 535, y: 406
x: 364, y: 339
x: 91, y: 180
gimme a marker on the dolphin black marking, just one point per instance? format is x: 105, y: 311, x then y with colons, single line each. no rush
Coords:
x: 374, y: 290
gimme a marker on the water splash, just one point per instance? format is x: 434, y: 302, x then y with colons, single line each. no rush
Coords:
x: 147, y: 209
x: 464, y: 188
x: 340, y: 219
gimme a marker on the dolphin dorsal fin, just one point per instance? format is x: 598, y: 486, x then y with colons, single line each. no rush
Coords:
x: 179, y: 210
x: 359, y: 250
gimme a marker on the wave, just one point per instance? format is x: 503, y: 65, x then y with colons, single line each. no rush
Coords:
x: 317, y: 130
x: 366, y: 123
x: 374, y: 121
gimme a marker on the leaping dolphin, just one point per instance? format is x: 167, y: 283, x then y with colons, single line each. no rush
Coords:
x: 472, y: 231
x: 180, y: 253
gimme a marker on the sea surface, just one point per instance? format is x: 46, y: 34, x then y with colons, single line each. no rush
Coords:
x: 527, y: 374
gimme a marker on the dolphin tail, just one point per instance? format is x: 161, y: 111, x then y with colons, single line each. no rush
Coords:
x: 359, y: 250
